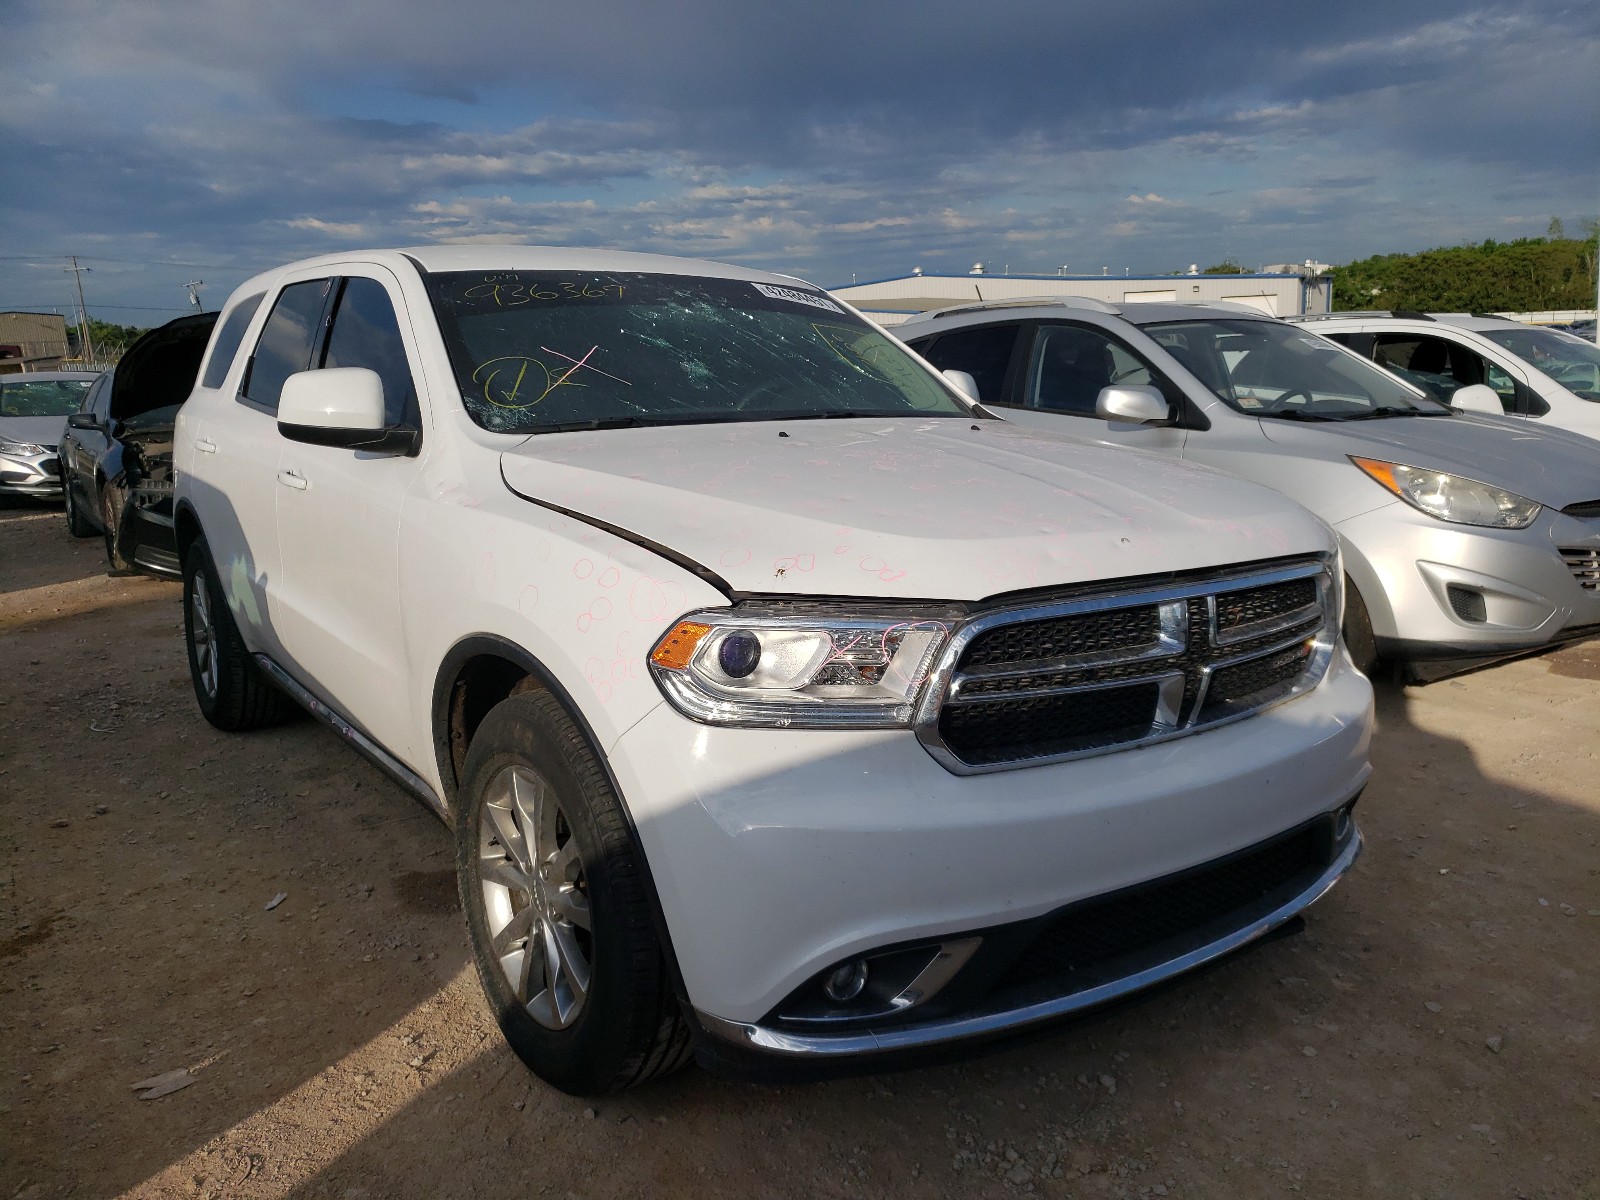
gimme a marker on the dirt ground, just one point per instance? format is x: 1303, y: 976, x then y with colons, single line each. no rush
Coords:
x: 1432, y: 1033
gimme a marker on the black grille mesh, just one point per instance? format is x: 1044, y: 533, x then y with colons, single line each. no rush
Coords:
x: 1254, y: 681
x: 1006, y: 730
x: 1084, y: 633
x: 1100, y: 931
x: 1235, y: 609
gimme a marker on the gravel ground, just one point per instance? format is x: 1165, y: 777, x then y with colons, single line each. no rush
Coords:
x: 1432, y: 1033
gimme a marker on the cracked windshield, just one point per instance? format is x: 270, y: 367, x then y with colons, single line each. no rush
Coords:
x: 543, y: 352
x: 1266, y: 370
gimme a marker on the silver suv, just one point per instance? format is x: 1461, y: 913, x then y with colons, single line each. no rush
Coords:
x: 1465, y: 538
x: 1544, y: 375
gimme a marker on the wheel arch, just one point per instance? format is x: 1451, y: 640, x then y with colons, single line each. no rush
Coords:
x: 480, y: 671
x: 185, y: 527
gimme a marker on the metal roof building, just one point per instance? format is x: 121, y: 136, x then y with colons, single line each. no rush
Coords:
x: 1281, y: 294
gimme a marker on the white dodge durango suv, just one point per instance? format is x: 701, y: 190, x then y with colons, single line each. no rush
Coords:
x: 787, y: 707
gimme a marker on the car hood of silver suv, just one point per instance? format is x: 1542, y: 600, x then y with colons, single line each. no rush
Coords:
x: 946, y: 509
x: 1553, y: 467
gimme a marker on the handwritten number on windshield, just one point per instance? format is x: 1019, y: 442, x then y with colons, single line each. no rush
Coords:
x: 507, y: 291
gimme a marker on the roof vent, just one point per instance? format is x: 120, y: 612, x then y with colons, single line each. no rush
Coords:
x: 977, y: 269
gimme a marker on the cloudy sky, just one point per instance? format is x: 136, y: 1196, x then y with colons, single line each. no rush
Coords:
x: 164, y: 142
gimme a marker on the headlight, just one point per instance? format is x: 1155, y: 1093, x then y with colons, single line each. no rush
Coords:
x: 733, y: 667
x: 7, y: 446
x: 1451, y: 497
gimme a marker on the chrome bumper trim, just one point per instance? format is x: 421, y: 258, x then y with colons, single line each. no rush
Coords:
x: 789, y: 1045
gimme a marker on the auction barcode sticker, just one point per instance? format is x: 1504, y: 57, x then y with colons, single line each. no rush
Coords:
x: 796, y: 296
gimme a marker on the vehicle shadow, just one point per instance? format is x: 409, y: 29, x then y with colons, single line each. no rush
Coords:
x: 1423, y: 1035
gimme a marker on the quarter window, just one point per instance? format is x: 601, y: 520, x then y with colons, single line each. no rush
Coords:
x: 226, y: 344
x: 287, y: 341
x: 366, y: 334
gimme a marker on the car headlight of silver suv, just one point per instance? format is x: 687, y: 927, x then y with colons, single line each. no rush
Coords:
x: 1452, y: 498
x: 811, y: 670
x: 7, y: 446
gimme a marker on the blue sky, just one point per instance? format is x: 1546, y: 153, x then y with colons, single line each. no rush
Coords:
x: 164, y: 142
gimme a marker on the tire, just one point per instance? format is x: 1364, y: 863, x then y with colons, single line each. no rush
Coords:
x: 1358, y: 638
x: 116, y: 564
x: 231, y: 690
x: 78, y: 525
x: 606, y: 1017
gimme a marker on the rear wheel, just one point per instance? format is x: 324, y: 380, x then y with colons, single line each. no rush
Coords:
x: 230, y: 688
x: 78, y: 523
x: 556, y: 906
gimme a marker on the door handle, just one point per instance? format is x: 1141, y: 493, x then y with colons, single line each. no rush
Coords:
x: 205, y: 445
x: 290, y: 479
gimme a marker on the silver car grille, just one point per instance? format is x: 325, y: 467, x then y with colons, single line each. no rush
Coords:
x: 1088, y: 675
x: 1584, y: 563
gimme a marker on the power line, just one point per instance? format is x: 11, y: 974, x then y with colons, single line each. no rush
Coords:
x: 133, y: 262
x: 57, y: 304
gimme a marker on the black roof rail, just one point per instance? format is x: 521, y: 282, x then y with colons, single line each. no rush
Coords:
x: 1409, y: 315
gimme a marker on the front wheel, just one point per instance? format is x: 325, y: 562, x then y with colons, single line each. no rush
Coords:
x: 78, y: 524
x: 233, y: 693
x: 1358, y: 636
x: 557, y: 909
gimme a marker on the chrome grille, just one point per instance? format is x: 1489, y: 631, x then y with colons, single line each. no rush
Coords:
x: 1584, y: 563
x: 1018, y: 687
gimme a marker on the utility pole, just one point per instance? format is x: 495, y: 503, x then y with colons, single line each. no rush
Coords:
x: 194, y: 286
x: 87, y: 345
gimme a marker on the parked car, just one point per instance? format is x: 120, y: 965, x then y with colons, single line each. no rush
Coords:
x: 116, y: 455
x: 1543, y: 375
x: 1465, y: 539
x: 33, y: 412
x: 786, y: 706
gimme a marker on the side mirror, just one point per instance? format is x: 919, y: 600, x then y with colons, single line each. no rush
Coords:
x: 964, y: 383
x: 1477, y: 398
x: 340, y: 406
x: 82, y: 420
x: 1136, y: 403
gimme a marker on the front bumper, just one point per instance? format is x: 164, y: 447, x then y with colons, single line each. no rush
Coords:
x: 30, y: 474
x: 779, y: 854
x: 1004, y: 1016
x: 1437, y: 591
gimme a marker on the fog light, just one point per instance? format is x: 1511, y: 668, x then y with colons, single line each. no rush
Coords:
x: 847, y: 982
x: 1341, y: 825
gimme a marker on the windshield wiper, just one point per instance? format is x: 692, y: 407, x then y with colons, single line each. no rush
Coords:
x: 1295, y: 414
x: 627, y: 423
x: 1377, y: 414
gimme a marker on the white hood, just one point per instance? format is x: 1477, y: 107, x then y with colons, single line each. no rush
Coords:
x: 946, y: 509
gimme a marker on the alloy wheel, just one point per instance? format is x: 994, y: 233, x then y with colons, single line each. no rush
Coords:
x: 203, y: 633
x: 535, y: 897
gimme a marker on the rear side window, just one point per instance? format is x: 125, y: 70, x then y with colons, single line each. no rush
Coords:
x: 229, y: 335
x: 288, y: 341
x: 366, y: 334
x: 984, y: 352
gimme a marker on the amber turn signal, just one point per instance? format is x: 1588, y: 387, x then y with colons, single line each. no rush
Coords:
x: 676, y: 649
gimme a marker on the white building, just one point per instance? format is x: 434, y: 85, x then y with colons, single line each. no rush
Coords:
x: 1287, y: 291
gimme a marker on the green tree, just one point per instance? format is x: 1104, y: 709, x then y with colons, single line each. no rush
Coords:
x: 1525, y: 275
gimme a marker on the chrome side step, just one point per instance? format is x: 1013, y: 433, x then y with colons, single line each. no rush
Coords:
x: 390, y: 765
